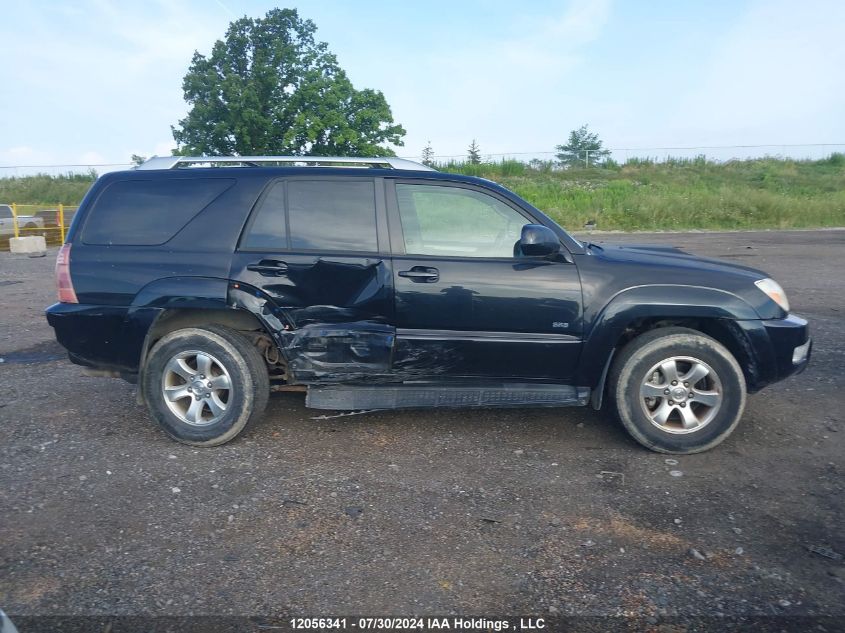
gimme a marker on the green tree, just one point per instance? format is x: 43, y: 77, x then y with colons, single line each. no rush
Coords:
x: 474, y: 153
x: 428, y: 155
x: 138, y: 160
x: 270, y: 88
x: 583, y: 148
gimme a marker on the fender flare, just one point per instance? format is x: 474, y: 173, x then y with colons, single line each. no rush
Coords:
x: 206, y: 293
x: 658, y: 301
x: 155, y: 299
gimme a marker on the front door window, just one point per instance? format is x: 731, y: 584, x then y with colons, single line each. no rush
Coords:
x: 454, y: 222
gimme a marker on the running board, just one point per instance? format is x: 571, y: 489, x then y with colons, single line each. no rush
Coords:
x: 416, y: 396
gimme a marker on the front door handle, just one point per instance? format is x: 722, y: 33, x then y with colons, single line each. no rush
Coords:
x: 421, y: 274
x: 269, y: 268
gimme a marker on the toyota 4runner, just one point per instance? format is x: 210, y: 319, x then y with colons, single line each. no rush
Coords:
x: 382, y: 284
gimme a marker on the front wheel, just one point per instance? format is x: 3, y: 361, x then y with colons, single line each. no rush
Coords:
x: 676, y: 390
x: 205, y: 384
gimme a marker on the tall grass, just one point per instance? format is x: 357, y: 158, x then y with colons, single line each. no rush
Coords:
x: 640, y: 194
x: 44, y: 189
x: 680, y: 193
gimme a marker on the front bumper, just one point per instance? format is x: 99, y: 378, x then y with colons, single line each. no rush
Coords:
x: 791, y: 344
x: 777, y: 349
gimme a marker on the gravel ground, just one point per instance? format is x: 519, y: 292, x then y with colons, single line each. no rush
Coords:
x: 538, y: 512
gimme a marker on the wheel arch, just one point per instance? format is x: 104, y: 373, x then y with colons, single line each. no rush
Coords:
x: 174, y: 303
x: 169, y: 320
x: 635, y: 311
x: 172, y: 319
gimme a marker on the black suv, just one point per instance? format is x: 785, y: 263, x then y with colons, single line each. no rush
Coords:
x: 382, y: 284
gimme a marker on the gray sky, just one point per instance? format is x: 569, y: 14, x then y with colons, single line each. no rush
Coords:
x: 94, y: 81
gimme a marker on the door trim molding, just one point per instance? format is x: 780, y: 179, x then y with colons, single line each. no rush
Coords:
x: 489, y: 337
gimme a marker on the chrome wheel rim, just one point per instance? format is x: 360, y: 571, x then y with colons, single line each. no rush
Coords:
x: 681, y: 394
x: 196, y: 387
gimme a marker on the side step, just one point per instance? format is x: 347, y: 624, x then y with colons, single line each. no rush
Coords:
x: 415, y: 396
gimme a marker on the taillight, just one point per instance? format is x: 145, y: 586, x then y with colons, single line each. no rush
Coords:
x: 63, y: 282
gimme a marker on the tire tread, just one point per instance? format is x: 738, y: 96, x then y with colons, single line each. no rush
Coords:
x: 637, y: 349
x: 224, y: 336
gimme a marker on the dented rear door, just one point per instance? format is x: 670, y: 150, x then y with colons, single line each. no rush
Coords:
x: 313, y: 264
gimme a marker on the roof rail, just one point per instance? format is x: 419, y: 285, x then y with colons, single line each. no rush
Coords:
x: 180, y: 162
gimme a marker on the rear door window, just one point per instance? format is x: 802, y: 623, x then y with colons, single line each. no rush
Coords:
x: 332, y: 215
x: 148, y: 212
x: 315, y: 215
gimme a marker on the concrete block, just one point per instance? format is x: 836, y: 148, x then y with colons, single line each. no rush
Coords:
x: 33, y: 245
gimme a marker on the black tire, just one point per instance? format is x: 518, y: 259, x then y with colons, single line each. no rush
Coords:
x: 634, y: 366
x: 246, y: 398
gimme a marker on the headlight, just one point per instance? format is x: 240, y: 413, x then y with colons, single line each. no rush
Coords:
x: 774, y: 292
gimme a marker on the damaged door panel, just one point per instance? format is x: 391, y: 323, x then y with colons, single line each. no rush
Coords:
x: 331, y: 318
x: 334, y: 352
x: 332, y: 314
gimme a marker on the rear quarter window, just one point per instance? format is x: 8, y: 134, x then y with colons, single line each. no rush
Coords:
x: 148, y: 212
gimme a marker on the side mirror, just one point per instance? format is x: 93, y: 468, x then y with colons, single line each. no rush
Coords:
x: 538, y: 241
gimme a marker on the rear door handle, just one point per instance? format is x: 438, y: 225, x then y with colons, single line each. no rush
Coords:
x: 269, y: 268
x: 421, y: 274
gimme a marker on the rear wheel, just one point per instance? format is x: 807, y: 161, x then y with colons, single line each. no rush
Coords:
x: 204, y: 385
x: 676, y: 390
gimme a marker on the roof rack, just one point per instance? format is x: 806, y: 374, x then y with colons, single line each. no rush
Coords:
x: 181, y: 162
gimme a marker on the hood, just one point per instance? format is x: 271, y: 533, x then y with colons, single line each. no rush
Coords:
x: 630, y: 265
x: 659, y: 255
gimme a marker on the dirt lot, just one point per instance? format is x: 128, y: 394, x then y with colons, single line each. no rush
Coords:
x: 539, y: 512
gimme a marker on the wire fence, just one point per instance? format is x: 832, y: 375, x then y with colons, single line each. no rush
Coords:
x: 22, y: 220
x: 713, y: 153
x: 21, y: 171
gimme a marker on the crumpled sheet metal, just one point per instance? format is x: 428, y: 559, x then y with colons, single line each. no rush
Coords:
x: 338, y: 348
